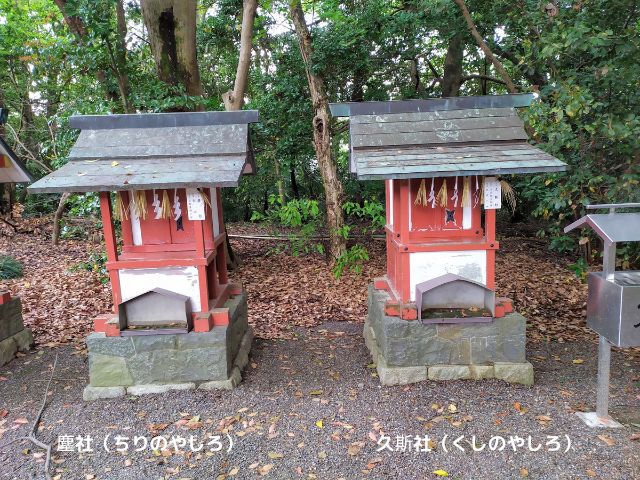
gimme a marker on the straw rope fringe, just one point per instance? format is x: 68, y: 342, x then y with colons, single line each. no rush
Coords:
x: 421, y: 196
x: 140, y: 204
x: 508, y: 194
x: 466, y: 192
x: 442, y: 194
x: 205, y: 199
x: 165, y: 208
x: 120, y: 211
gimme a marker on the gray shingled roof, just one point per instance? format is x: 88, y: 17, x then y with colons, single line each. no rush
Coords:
x: 165, y: 150
x: 418, y: 140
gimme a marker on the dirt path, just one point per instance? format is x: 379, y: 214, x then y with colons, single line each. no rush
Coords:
x: 312, y: 408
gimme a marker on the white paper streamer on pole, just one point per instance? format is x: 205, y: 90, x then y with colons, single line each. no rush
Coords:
x: 454, y: 197
x: 432, y: 195
x: 177, y: 211
x: 476, y: 194
x: 157, y: 209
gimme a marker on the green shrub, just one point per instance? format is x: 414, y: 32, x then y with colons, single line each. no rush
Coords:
x: 301, y: 216
x: 9, y: 267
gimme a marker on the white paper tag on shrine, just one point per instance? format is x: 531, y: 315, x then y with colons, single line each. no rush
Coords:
x: 492, y: 193
x: 195, y: 204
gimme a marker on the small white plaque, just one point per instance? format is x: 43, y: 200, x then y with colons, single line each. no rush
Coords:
x: 492, y: 193
x: 195, y: 204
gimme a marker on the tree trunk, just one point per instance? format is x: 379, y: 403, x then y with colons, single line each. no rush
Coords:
x: 121, y: 58
x: 234, y: 99
x: 279, y: 181
x: 321, y: 135
x: 57, y: 217
x: 75, y: 24
x: 294, y: 181
x: 172, y: 34
x: 452, y: 77
x: 511, y: 88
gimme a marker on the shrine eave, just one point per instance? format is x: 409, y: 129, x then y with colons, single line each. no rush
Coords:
x: 161, y: 151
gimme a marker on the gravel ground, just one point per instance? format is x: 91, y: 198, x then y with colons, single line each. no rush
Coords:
x: 312, y: 408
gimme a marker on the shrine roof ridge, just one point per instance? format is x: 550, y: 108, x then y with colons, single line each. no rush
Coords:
x: 350, y: 109
x: 158, y: 120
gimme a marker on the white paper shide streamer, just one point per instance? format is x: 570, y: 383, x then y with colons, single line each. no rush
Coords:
x: 157, y: 209
x: 432, y: 194
x: 454, y: 197
x: 177, y: 210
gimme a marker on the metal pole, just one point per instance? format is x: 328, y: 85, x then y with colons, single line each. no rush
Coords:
x: 604, y: 367
x: 604, y: 347
x: 609, y: 261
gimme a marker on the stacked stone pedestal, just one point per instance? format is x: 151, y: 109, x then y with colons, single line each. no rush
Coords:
x: 409, y: 351
x: 13, y: 336
x: 157, y: 363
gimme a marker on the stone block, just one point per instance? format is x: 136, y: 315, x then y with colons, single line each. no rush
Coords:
x: 514, y: 372
x: 391, y: 375
x: 461, y: 352
x: 95, y: 393
x: 138, y: 390
x: 481, y: 372
x: 24, y: 340
x: 214, y: 338
x: 400, y: 375
x: 449, y: 372
x: 229, y: 384
x: 99, y: 343
x: 152, y: 343
x: 108, y: 371
x: 511, y: 348
x: 8, y: 349
x: 412, y: 343
x: 10, y: 318
x: 156, y: 361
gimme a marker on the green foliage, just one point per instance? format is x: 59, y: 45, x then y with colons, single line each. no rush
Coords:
x: 9, y: 268
x: 580, y: 268
x: 583, y: 61
x: 84, y: 205
x: 371, y: 210
x: 371, y: 215
x: 95, y: 263
x: 301, y: 219
x: 352, y: 259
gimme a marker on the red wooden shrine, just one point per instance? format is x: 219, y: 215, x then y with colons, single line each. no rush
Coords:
x: 161, y: 174
x: 413, y: 228
x: 162, y: 244
x: 439, y: 159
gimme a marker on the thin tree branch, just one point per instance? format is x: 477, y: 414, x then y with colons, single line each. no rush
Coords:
x: 31, y: 155
x: 234, y: 99
x: 482, y: 77
x: 32, y: 434
x: 511, y: 88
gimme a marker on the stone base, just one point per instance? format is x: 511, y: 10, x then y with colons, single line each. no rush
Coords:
x: 145, y: 364
x: 591, y: 419
x: 13, y: 336
x: 409, y: 351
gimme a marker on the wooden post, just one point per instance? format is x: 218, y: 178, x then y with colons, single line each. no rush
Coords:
x: 107, y: 225
x: 403, y: 211
x: 221, y: 257
x: 198, y: 231
x: 111, y: 245
x: 125, y: 225
x: 490, y: 232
